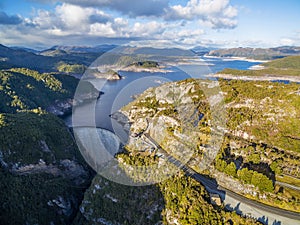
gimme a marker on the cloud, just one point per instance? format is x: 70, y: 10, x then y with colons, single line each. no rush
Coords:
x: 216, y: 13
x: 99, y: 18
x: 69, y: 19
x: 10, y: 20
x: 132, y: 8
x: 154, y: 21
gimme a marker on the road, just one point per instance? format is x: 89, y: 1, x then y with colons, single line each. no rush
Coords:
x: 296, y: 188
x: 242, y: 205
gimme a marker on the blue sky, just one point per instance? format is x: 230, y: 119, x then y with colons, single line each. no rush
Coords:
x: 186, y: 23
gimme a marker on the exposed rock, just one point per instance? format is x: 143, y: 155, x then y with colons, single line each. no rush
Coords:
x: 44, y: 146
x: 61, y: 107
x: 108, y: 75
x: 2, y: 163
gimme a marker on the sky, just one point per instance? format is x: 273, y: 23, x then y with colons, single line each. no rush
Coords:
x: 156, y: 23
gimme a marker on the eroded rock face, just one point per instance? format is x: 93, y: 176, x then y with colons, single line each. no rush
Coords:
x: 42, y: 174
x: 61, y: 108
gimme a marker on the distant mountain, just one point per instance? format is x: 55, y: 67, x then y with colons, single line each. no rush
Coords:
x: 83, y: 49
x: 48, y: 60
x: 25, y: 49
x: 200, y: 50
x: 10, y: 57
x: 257, y: 53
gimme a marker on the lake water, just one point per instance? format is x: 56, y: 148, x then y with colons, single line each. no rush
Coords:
x: 119, y: 93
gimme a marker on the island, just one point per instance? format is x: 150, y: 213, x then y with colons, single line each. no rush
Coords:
x: 110, y: 74
x: 146, y: 66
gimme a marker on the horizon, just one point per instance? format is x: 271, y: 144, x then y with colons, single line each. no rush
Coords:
x: 40, y: 24
x: 107, y: 44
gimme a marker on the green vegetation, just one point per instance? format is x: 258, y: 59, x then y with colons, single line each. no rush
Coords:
x: 39, y: 143
x: 256, y: 53
x: 262, y: 138
x: 288, y: 66
x: 29, y: 199
x: 26, y: 89
x: 262, y: 72
x: 46, y: 61
x: 146, y: 64
x: 266, y: 111
x: 179, y: 198
x: 259, y: 180
x: 71, y: 68
x: 288, y: 180
x: 290, y: 62
x: 31, y: 138
x: 27, y: 137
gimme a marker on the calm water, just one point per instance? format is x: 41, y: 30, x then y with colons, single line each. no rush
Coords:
x: 119, y: 93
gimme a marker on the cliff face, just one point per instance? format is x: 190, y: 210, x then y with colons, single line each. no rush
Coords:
x: 260, y: 131
x: 42, y: 173
x: 179, y: 117
x: 259, y: 113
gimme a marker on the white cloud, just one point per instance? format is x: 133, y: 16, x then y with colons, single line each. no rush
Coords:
x: 132, y: 8
x: 101, y: 29
x: 287, y: 41
x: 147, y: 29
x: 149, y: 20
x: 73, y: 16
x: 217, y: 13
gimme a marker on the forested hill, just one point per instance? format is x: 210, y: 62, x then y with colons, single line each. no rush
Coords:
x: 42, y: 173
x: 49, y: 60
x: 285, y: 67
x: 20, y: 58
x: 28, y: 89
x: 256, y: 53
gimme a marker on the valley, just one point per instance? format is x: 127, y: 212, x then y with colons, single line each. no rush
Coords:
x: 239, y: 134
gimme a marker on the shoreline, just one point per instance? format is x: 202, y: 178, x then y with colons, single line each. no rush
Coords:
x: 235, y: 58
x: 267, y: 77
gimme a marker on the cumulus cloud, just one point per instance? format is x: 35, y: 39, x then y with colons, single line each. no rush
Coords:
x: 69, y: 19
x: 132, y: 8
x: 10, y: 20
x: 150, y: 20
x: 217, y: 13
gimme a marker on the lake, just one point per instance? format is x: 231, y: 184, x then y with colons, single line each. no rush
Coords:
x: 120, y: 92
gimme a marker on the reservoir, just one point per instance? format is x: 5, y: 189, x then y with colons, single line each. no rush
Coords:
x: 118, y: 93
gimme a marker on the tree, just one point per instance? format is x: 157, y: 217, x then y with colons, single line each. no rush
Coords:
x: 245, y: 175
x: 231, y: 169
x: 275, y: 168
x: 255, y: 158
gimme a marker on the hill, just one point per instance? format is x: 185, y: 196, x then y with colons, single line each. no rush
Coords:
x: 179, y: 199
x: 21, y: 58
x: 261, y: 129
x: 256, y: 53
x: 84, y: 49
x: 290, y: 62
x: 42, y: 173
x: 43, y: 176
x: 47, y: 60
x: 28, y: 89
x: 287, y: 68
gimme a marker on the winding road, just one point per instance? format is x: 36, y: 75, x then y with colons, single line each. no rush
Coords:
x: 233, y: 201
